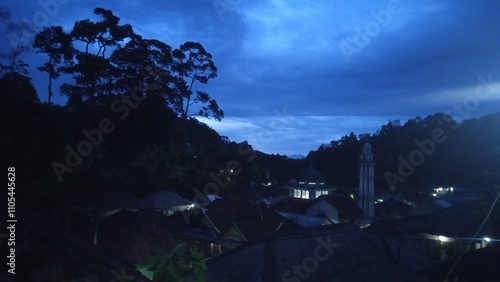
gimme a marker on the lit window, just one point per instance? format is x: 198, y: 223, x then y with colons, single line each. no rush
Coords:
x: 296, y: 193
x: 305, y: 194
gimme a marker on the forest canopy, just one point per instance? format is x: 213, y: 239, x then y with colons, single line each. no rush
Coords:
x: 127, y: 126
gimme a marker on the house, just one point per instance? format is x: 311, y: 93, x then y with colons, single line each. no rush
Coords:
x: 448, y: 232
x: 166, y: 202
x: 431, y: 206
x: 328, y: 253
x: 337, y: 208
x: 136, y: 236
x: 45, y: 253
x: 231, y: 223
x: 326, y: 209
x: 295, y: 209
x: 310, y: 184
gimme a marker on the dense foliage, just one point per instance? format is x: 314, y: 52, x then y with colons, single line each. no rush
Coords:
x: 422, y: 153
x: 128, y: 126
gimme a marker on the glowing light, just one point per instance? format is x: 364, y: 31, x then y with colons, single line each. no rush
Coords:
x: 487, y: 239
x: 434, y: 194
x: 444, y: 238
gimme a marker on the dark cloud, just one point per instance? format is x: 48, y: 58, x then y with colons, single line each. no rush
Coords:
x: 422, y: 59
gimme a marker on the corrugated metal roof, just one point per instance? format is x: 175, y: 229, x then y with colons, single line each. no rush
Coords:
x: 325, y: 254
x: 96, y: 260
x: 252, y: 220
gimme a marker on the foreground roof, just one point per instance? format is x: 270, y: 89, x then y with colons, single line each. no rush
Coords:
x: 475, y: 265
x: 323, y: 254
x: 104, y: 266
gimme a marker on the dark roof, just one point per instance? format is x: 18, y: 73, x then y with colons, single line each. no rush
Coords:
x: 352, y: 255
x: 419, y: 199
x: 393, y: 209
x: 452, y: 222
x: 291, y: 205
x: 310, y: 174
x: 99, y: 262
x: 163, y: 200
x: 345, y: 205
x: 476, y: 265
x: 252, y: 220
x: 134, y: 236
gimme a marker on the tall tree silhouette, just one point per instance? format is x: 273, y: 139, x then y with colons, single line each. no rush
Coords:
x: 57, y: 45
x: 92, y: 72
x: 144, y: 63
x: 192, y: 63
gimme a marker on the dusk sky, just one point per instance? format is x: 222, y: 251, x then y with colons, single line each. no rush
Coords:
x: 295, y: 74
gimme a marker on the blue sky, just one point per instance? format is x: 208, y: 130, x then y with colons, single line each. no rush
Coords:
x: 296, y: 74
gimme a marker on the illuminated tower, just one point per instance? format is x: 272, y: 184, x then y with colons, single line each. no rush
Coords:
x: 366, y: 178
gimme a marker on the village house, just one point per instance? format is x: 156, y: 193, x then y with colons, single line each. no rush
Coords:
x: 309, y: 184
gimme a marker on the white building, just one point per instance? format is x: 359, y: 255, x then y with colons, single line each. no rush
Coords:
x: 310, y: 184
